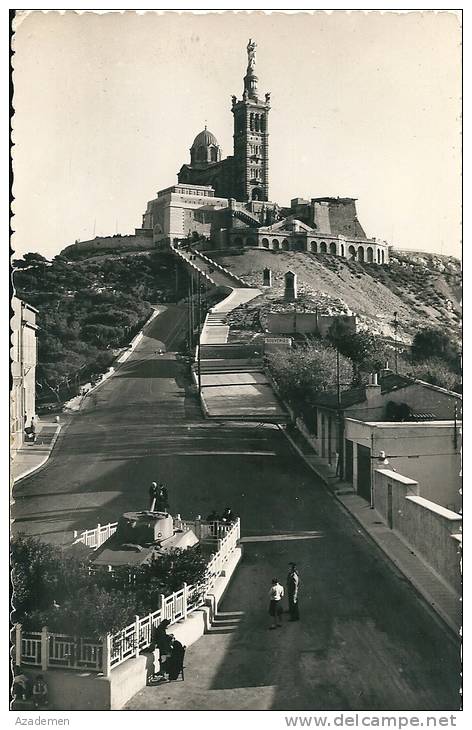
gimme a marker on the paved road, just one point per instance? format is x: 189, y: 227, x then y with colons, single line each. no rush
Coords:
x: 365, y: 642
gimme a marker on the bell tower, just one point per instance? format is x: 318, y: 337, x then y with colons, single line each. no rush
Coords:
x: 251, y: 137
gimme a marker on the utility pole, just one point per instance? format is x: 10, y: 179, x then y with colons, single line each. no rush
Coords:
x: 372, y: 446
x: 199, y: 285
x: 455, y: 427
x: 176, y: 279
x: 340, y: 465
x: 189, y: 314
x: 395, y: 329
x: 199, y: 301
x: 192, y: 313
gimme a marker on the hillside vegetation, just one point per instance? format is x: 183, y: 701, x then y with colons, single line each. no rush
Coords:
x: 424, y: 289
x: 89, y: 309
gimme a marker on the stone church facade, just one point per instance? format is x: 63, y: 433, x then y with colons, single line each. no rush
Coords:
x: 227, y: 200
x: 245, y: 175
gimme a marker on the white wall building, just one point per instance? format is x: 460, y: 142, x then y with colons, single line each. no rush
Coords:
x: 23, y: 369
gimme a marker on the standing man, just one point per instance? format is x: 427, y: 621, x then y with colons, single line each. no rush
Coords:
x: 293, y: 584
x: 153, y: 495
x: 162, y: 502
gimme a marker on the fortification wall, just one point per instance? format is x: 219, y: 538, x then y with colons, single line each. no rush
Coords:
x: 306, y: 322
x: 320, y: 217
x: 343, y: 218
x: 140, y: 241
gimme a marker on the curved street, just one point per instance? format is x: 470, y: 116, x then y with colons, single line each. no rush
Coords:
x: 365, y: 641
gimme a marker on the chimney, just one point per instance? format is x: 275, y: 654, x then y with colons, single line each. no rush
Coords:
x: 372, y: 389
x: 386, y: 370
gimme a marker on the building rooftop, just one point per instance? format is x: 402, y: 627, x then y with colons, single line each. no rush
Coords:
x: 205, y: 138
x: 388, y: 382
x: 333, y: 200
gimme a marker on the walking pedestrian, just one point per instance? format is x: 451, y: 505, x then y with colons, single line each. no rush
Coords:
x: 293, y: 585
x: 276, y: 594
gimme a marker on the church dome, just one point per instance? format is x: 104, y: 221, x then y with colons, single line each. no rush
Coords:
x: 205, y: 139
x: 205, y: 149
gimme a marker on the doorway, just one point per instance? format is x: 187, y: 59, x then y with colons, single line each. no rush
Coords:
x: 363, y: 472
x: 349, y: 460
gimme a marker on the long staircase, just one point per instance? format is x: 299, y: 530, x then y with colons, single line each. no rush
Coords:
x: 234, y: 385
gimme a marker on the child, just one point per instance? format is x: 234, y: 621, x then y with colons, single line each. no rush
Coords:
x: 276, y: 594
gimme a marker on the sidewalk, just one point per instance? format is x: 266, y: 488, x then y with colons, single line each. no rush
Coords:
x: 32, y: 457
x: 436, y: 593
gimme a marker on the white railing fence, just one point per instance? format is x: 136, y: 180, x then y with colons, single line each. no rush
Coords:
x: 95, y: 538
x: 202, y: 529
x: 47, y: 650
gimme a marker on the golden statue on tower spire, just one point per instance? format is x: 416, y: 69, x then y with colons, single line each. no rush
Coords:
x: 251, y: 55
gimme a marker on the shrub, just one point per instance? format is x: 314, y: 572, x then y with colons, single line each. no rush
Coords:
x: 41, y: 574
x: 367, y: 352
x: 55, y: 589
x: 434, y: 343
x: 437, y: 372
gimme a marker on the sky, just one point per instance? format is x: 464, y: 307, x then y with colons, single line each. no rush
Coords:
x: 364, y: 105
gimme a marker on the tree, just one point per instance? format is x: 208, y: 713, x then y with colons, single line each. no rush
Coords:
x: 86, y: 308
x: 367, y: 351
x: 436, y: 371
x: 53, y: 587
x: 397, y: 411
x: 433, y: 343
x: 92, y: 612
x: 307, y: 370
x: 41, y: 574
x: 29, y: 259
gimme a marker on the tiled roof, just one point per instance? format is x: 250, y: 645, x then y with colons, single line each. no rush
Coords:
x: 348, y: 398
x: 351, y: 397
x: 388, y: 383
x: 393, y: 381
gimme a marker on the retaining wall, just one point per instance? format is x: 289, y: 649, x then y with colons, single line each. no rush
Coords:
x: 424, y: 525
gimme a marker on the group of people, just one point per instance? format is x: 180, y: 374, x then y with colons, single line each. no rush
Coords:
x: 171, y: 653
x: 37, y: 691
x: 226, y: 516
x: 277, y: 593
x: 158, y: 497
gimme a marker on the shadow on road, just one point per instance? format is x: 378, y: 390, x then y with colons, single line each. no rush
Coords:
x: 153, y: 367
x: 364, y: 641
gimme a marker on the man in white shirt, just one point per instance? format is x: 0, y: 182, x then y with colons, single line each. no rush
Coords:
x: 276, y: 594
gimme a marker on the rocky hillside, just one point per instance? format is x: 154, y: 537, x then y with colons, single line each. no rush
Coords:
x: 424, y: 289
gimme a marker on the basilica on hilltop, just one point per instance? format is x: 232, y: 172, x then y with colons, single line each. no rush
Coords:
x: 227, y: 200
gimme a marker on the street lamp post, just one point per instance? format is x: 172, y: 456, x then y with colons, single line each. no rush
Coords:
x: 340, y: 466
x: 395, y: 329
x: 198, y: 335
